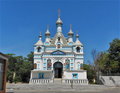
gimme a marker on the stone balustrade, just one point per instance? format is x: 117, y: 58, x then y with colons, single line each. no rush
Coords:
x: 40, y: 81
x: 77, y: 81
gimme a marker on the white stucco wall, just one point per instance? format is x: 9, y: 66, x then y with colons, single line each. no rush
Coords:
x: 47, y: 75
x: 81, y: 74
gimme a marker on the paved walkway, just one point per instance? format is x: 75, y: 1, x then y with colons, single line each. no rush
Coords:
x: 109, y: 90
x: 58, y: 87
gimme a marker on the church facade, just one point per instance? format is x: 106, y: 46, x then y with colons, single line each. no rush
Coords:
x: 58, y: 57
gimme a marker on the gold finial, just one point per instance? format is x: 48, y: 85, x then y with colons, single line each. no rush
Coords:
x: 40, y: 32
x: 70, y: 26
x: 47, y: 27
x: 58, y: 12
x: 76, y: 32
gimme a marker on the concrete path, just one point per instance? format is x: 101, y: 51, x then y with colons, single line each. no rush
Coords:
x: 108, y: 90
x: 60, y: 87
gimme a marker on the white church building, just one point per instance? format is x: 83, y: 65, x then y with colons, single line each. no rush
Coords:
x: 58, y: 57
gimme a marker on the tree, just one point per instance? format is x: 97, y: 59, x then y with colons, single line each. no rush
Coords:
x: 93, y: 64
x: 114, y: 55
x: 111, y: 60
x: 89, y: 72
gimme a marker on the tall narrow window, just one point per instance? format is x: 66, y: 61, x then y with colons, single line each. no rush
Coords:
x: 58, y: 38
x: 78, y: 66
x: 39, y: 49
x: 38, y: 65
x: 78, y: 49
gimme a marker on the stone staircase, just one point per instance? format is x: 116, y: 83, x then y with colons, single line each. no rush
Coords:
x: 107, y: 81
x: 57, y: 80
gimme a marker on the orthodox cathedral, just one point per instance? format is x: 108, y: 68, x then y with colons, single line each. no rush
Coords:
x: 58, y: 57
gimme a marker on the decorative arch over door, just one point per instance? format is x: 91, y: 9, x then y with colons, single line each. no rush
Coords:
x: 58, y: 65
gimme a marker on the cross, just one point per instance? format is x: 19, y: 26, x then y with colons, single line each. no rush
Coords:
x: 47, y: 27
x: 59, y: 12
x: 77, y: 32
x: 40, y: 32
x: 70, y: 26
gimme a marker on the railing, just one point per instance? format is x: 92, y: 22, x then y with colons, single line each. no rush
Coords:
x: 110, y: 74
x: 77, y: 81
x: 39, y: 81
x: 101, y: 78
x: 112, y: 80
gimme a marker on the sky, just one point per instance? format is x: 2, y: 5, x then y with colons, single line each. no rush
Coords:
x: 97, y: 22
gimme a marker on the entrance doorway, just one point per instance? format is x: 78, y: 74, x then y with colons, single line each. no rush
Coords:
x: 58, y: 67
x: 58, y: 72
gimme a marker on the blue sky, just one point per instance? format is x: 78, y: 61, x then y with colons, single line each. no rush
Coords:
x: 97, y: 22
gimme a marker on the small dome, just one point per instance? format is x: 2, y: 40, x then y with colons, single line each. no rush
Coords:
x: 70, y: 32
x: 77, y: 36
x: 47, y: 32
x: 59, y: 21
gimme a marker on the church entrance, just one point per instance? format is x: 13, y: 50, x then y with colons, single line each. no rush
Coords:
x: 58, y: 67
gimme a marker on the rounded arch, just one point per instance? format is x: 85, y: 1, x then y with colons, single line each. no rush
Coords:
x: 58, y: 65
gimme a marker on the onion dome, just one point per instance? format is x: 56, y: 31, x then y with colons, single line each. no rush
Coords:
x: 70, y: 33
x: 59, y: 22
x: 47, y: 33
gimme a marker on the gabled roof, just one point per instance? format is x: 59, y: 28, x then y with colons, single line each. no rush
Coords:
x: 39, y: 42
x: 62, y: 38
x: 78, y: 42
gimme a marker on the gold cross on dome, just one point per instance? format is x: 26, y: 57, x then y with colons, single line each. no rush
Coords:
x: 40, y: 32
x: 59, y: 12
x: 70, y: 26
x: 76, y: 32
x: 47, y: 27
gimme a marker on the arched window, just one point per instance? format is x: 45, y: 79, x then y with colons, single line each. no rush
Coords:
x: 39, y: 49
x: 81, y: 66
x: 67, y: 62
x: 38, y: 65
x: 48, y: 64
x: 35, y: 66
x: 78, y: 66
x: 78, y: 49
